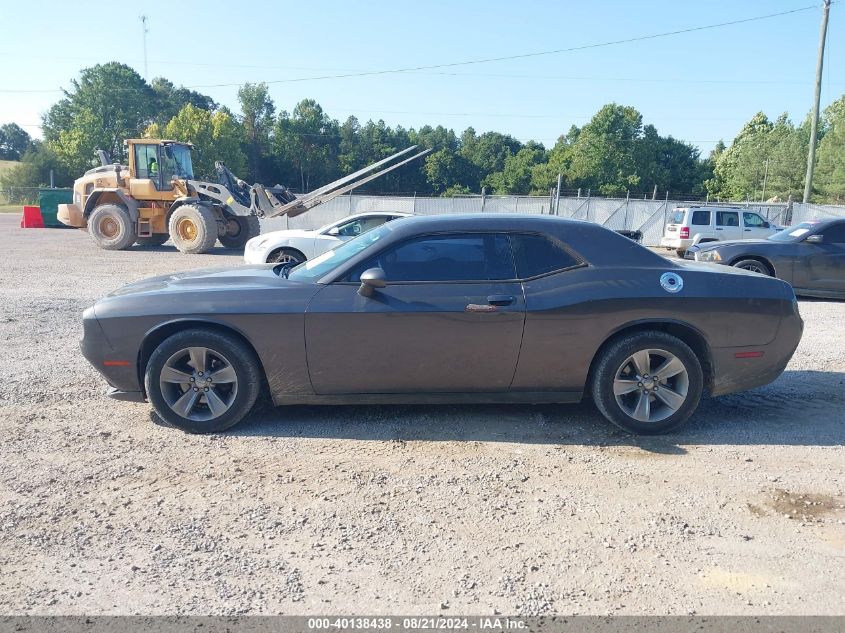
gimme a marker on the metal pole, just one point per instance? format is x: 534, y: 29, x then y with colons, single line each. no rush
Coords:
x: 144, y: 31
x: 483, y: 198
x: 557, y: 195
x: 765, y: 181
x: 814, y: 125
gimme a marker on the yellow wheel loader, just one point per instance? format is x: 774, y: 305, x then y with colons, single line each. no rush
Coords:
x: 155, y: 198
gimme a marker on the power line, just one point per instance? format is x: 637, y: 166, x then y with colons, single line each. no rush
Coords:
x: 488, y: 60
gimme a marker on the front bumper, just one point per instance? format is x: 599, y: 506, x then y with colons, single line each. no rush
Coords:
x: 255, y: 256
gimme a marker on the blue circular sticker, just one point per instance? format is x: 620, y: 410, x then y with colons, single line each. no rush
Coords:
x: 671, y: 282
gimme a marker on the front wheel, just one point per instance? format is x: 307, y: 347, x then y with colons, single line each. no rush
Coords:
x: 289, y: 256
x: 754, y: 265
x: 239, y: 230
x: 202, y: 381
x: 193, y: 229
x: 648, y: 383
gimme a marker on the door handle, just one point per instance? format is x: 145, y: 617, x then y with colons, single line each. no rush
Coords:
x: 746, y: 229
x: 718, y: 228
x: 500, y: 300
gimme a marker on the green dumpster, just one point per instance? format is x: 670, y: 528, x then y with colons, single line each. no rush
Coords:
x: 49, y: 201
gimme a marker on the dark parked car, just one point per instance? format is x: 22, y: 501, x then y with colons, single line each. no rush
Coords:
x: 448, y: 309
x: 810, y: 256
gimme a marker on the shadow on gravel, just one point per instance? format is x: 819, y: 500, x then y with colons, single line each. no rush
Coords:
x: 169, y: 248
x: 801, y: 408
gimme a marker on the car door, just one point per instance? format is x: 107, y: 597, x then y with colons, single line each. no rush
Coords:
x: 450, y: 319
x: 754, y: 226
x: 727, y: 225
x: 823, y: 265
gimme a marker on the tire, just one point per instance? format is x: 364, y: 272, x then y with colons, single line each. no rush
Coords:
x: 239, y: 230
x: 235, y: 393
x: 754, y: 265
x: 157, y: 239
x: 111, y: 227
x: 615, y: 364
x: 285, y: 255
x: 681, y: 252
x: 193, y: 229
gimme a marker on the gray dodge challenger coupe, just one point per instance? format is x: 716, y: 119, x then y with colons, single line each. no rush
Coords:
x: 448, y: 309
x: 810, y: 256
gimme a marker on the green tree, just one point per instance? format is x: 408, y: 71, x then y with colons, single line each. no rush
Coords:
x: 170, y: 99
x: 602, y: 156
x: 308, y: 139
x: 14, y: 141
x: 829, y: 180
x: 257, y: 110
x: 215, y: 136
x: 108, y: 104
x: 519, y: 169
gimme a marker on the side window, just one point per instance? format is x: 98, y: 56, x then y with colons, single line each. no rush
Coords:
x: 146, y: 161
x: 360, y: 225
x: 701, y: 218
x: 453, y: 257
x: 727, y: 218
x: 834, y: 234
x: 538, y: 254
x: 752, y: 220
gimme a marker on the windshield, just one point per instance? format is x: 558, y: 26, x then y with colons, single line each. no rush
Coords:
x: 793, y: 233
x: 176, y: 162
x: 313, y: 269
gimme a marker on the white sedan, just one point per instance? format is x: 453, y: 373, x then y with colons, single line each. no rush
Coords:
x: 295, y: 246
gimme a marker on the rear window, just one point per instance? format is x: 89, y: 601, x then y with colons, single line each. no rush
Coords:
x: 678, y: 216
x: 701, y: 218
x: 538, y: 254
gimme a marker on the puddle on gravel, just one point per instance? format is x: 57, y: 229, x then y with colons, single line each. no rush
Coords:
x: 806, y: 507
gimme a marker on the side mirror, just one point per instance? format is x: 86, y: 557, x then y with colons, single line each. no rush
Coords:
x: 335, y: 230
x: 766, y: 225
x: 815, y: 239
x: 371, y: 279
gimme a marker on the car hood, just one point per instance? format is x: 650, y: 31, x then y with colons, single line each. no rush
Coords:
x: 225, y: 278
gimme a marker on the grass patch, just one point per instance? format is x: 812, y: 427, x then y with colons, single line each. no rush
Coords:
x: 11, y: 208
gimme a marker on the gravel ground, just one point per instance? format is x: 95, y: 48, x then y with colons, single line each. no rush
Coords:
x: 437, y: 509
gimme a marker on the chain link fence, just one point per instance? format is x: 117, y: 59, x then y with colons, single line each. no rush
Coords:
x: 19, y: 195
x: 647, y: 216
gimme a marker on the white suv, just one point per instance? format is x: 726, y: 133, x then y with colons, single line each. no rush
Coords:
x: 696, y: 225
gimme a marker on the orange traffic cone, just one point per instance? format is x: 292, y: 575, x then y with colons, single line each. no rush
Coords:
x: 32, y: 218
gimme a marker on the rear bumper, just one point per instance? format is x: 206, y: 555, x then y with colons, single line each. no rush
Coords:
x: 674, y: 242
x: 733, y: 373
x: 125, y: 396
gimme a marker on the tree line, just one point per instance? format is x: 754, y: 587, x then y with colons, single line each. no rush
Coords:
x: 614, y: 154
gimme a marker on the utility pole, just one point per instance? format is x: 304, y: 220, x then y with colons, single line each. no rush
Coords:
x: 765, y: 182
x: 144, y: 31
x: 814, y: 125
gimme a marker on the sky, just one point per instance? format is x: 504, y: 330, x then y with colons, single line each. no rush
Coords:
x: 699, y: 87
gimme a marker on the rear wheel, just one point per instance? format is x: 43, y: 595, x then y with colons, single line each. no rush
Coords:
x: 157, y: 239
x: 193, y: 229
x: 681, y: 252
x: 648, y: 383
x: 286, y: 256
x: 754, y: 265
x: 202, y: 381
x: 239, y: 230
x: 111, y: 227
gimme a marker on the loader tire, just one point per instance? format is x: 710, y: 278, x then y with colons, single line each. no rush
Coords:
x: 111, y: 227
x: 239, y: 230
x: 193, y: 229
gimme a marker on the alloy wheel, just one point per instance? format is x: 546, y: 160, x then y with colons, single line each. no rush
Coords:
x: 651, y: 385
x: 198, y: 383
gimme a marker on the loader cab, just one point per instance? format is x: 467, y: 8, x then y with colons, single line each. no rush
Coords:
x: 154, y: 164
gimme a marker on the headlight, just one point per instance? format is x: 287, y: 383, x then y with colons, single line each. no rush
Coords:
x: 708, y: 256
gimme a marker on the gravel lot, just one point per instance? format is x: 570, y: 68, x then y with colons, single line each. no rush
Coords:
x: 447, y: 509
